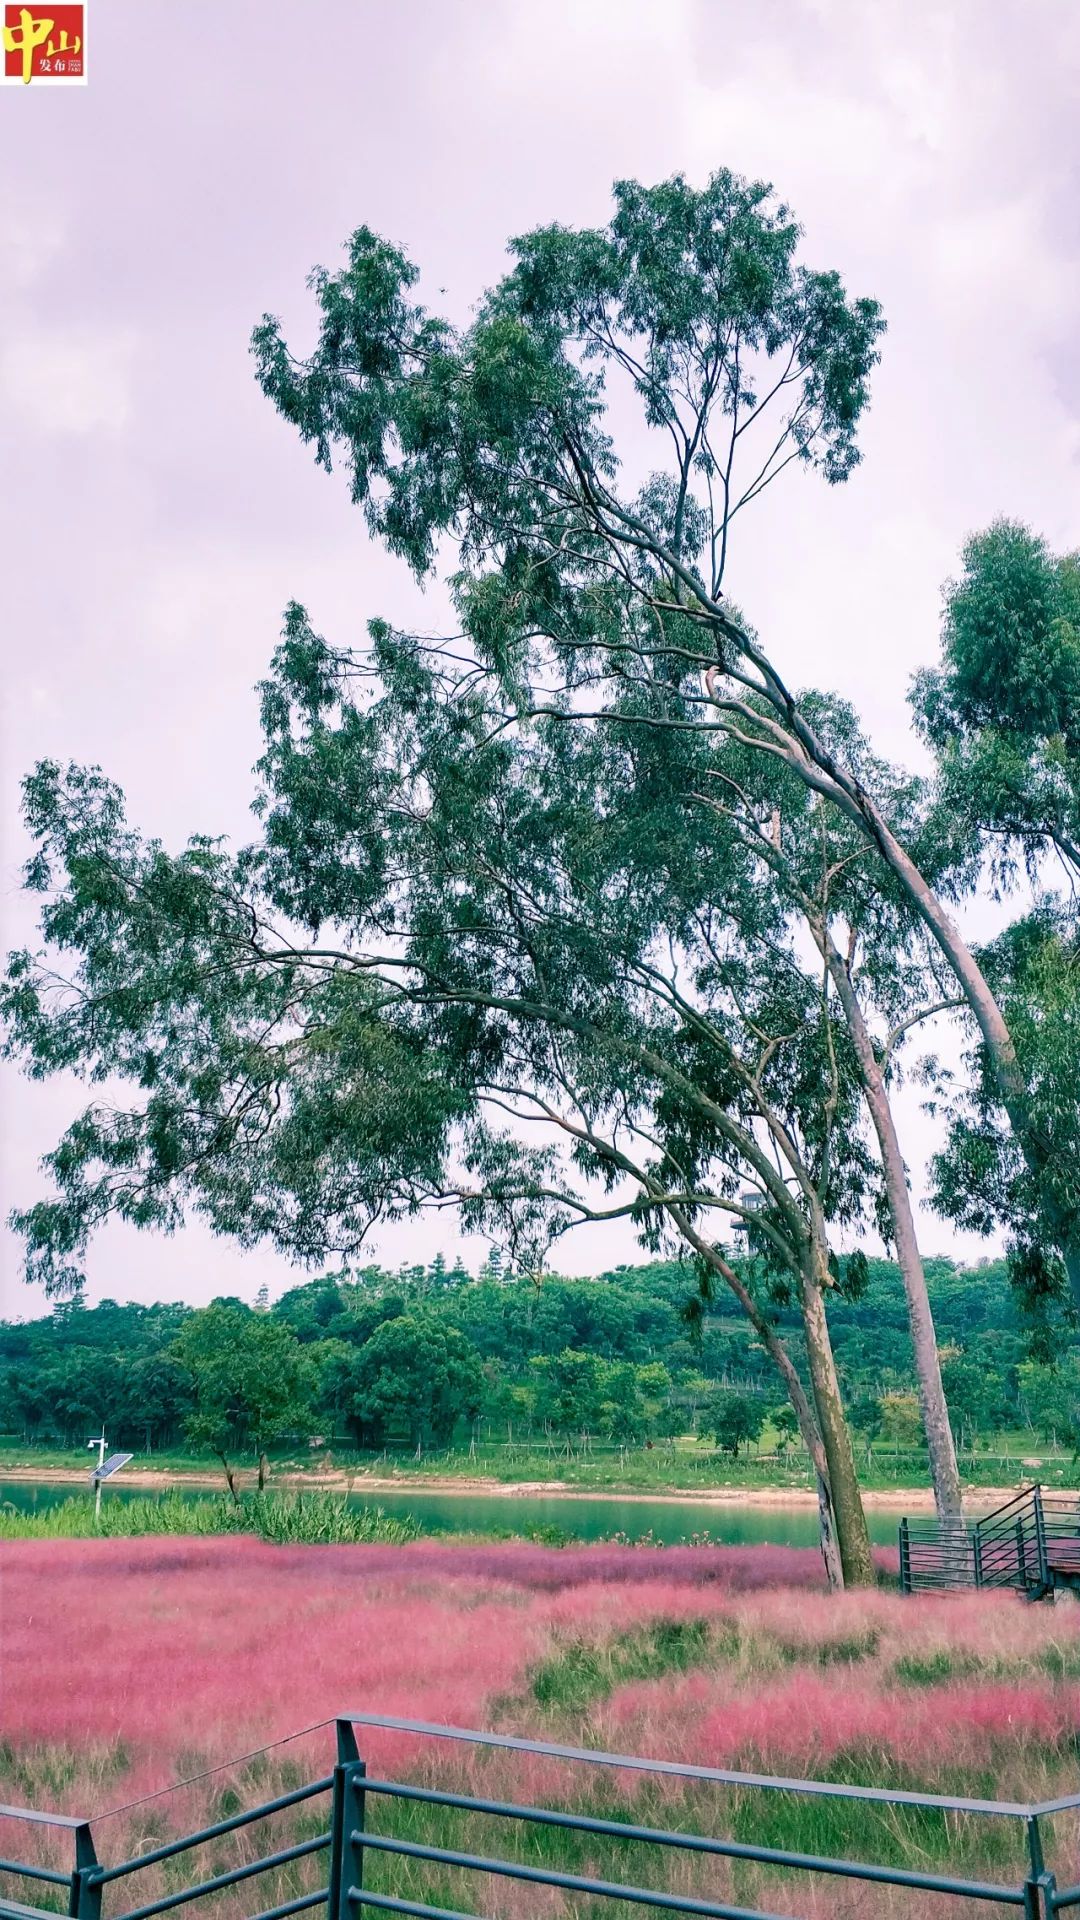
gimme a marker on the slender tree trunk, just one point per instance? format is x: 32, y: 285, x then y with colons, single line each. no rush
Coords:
x: 262, y: 1471
x: 796, y: 1392
x: 852, y: 1535
x: 804, y: 1414
x: 992, y: 1025
x: 996, y: 1036
x: 830, y: 1548
x: 230, y: 1479
x: 808, y: 756
x: 944, y: 1472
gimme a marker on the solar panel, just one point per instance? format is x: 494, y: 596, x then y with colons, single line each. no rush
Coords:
x: 110, y: 1466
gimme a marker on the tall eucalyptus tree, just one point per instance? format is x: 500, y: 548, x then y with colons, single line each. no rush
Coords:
x: 575, y: 569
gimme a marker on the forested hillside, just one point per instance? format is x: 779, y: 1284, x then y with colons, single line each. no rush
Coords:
x: 424, y: 1355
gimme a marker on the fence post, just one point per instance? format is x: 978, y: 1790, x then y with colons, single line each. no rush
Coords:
x: 85, y: 1901
x: 1040, y: 1885
x: 905, y: 1558
x: 346, y: 1820
x: 1040, y: 1538
x: 976, y: 1547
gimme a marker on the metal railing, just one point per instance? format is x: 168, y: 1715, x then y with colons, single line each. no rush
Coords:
x: 1031, y: 1544
x: 353, y: 1837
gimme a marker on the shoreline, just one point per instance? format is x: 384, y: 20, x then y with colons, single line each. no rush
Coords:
x: 911, y: 1499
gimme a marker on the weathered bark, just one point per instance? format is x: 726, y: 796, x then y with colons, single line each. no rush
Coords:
x: 830, y: 1549
x: 809, y: 1430
x: 852, y: 1535
x: 944, y: 1472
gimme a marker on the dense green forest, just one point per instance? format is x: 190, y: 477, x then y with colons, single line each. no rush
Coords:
x: 424, y: 1356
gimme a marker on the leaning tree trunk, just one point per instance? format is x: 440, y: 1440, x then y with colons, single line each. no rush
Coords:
x: 994, y: 1028
x: 852, y: 1535
x: 944, y: 1472
x: 808, y: 1426
x: 796, y: 1392
x: 230, y: 1478
x: 808, y: 757
x: 830, y: 1546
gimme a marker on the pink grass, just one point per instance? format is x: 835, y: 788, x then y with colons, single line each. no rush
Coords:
x: 151, y: 1659
x: 190, y: 1651
x: 126, y: 1665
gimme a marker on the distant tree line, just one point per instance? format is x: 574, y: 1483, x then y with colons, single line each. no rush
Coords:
x: 426, y: 1355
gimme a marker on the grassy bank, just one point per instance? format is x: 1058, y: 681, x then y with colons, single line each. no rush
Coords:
x: 661, y: 1470
x: 288, y: 1519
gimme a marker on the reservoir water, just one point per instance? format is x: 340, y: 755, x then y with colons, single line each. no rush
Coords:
x: 586, y: 1517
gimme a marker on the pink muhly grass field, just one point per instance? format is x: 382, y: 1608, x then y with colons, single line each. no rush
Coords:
x: 975, y: 1693
x: 199, y: 1648
x: 129, y: 1665
x: 185, y: 1652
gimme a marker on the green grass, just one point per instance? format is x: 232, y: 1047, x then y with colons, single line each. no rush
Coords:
x: 582, y: 1671
x: 935, y: 1668
x: 315, y: 1518
x: 845, y: 1650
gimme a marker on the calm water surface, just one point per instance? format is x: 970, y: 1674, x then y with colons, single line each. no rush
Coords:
x: 590, y: 1517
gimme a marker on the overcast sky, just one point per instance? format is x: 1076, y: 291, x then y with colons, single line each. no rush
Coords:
x: 157, y: 514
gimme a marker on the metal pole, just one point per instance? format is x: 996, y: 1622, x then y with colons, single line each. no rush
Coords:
x: 1040, y: 1885
x: 100, y: 1445
x: 348, y: 1810
x: 905, y: 1558
x: 85, y: 1902
x: 1040, y: 1539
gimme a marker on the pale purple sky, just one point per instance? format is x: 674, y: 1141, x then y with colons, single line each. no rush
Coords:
x: 157, y: 514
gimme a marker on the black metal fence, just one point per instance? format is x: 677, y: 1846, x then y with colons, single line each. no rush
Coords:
x: 1030, y: 1544
x: 353, y: 1835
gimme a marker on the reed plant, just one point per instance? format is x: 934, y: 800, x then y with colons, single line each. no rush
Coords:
x: 318, y: 1518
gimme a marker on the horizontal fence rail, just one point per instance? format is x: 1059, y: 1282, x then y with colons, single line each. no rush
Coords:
x: 353, y: 1838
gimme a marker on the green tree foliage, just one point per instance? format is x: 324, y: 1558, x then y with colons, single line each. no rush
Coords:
x: 69, y: 1375
x: 503, y: 435
x: 786, y: 1427
x: 1050, y: 1398
x: 64, y: 1374
x: 1002, y: 712
x: 414, y: 1379
x: 899, y: 1419
x: 977, y: 1391
x: 493, y: 895
x: 982, y: 1181
x: 1003, y: 707
x: 732, y: 1419
x: 567, y: 1392
x: 251, y: 1382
